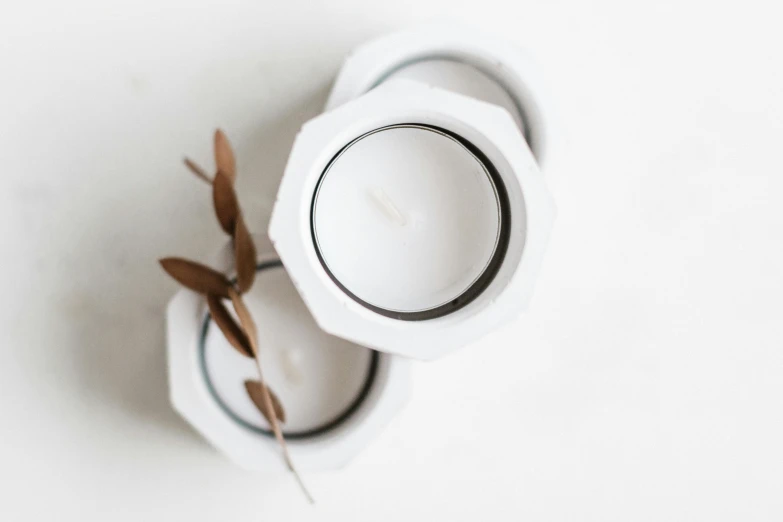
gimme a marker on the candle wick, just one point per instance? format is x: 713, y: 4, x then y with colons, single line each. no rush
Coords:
x: 387, y: 206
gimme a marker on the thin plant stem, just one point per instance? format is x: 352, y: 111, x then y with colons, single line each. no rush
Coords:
x: 197, y: 170
x: 273, y: 418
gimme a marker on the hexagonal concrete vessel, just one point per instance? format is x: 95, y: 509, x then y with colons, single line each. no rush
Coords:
x: 195, y: 398
x: 451, y: 49
x: 490, y: 130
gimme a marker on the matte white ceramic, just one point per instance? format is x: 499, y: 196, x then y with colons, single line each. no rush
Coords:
x: 465, y: 60
x: 491, y: 132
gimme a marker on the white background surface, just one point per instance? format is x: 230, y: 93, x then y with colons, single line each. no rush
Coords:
x: 645, y: 384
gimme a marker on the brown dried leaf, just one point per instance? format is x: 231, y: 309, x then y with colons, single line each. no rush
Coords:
x: 245, y: 319
x: 231, y: 330
x: 224, y: 156
x: 196, y: 276
x: 225, y: 200
x: 245, y: 255
x: 197, y: 170
x: 255, y: 390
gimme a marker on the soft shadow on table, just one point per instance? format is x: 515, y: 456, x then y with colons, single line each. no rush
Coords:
x: 120, y: 324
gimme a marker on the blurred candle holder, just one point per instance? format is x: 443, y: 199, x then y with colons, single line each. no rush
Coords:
x: 337, y: 395
x: 461, y: 59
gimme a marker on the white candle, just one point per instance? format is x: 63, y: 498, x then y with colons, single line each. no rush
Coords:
x: 406, y: 219
x: 317, y: 377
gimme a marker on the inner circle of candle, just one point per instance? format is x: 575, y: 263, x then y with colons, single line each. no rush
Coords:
x: 406, y: 218
x: 319, y: 378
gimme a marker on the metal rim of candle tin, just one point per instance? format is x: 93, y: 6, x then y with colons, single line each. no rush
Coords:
x: 296, y: 435
x: 482, y: 281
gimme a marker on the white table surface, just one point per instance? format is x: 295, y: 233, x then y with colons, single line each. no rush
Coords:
x: 645, y: 384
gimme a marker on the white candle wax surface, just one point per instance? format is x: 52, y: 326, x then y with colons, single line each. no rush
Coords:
x: 406, y: 219
x: 317, y: 377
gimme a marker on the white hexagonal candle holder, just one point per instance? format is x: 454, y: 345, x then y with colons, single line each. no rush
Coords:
x: 412, y: 219
x: 337, y: 395
x: 464, y: 60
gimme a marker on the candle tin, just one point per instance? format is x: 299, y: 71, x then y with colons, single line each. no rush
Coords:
x: 411, y: 221
x: 490, y: 131
x: 195, y: 389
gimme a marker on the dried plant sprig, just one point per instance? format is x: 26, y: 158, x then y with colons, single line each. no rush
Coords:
x: 256, y: 393
x: 226, y: 203
x: 233, y: 333
x: 224, y: 160
x: 224, y: 156
x: 243, y: 336
x: 246, y: 320
x: 265, y: 395
x: 245, y: 255
x: 197, y: 277
x: 197, y: 170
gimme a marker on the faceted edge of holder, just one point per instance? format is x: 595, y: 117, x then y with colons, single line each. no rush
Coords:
x: 371, y: 62
x: 488, y: 127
